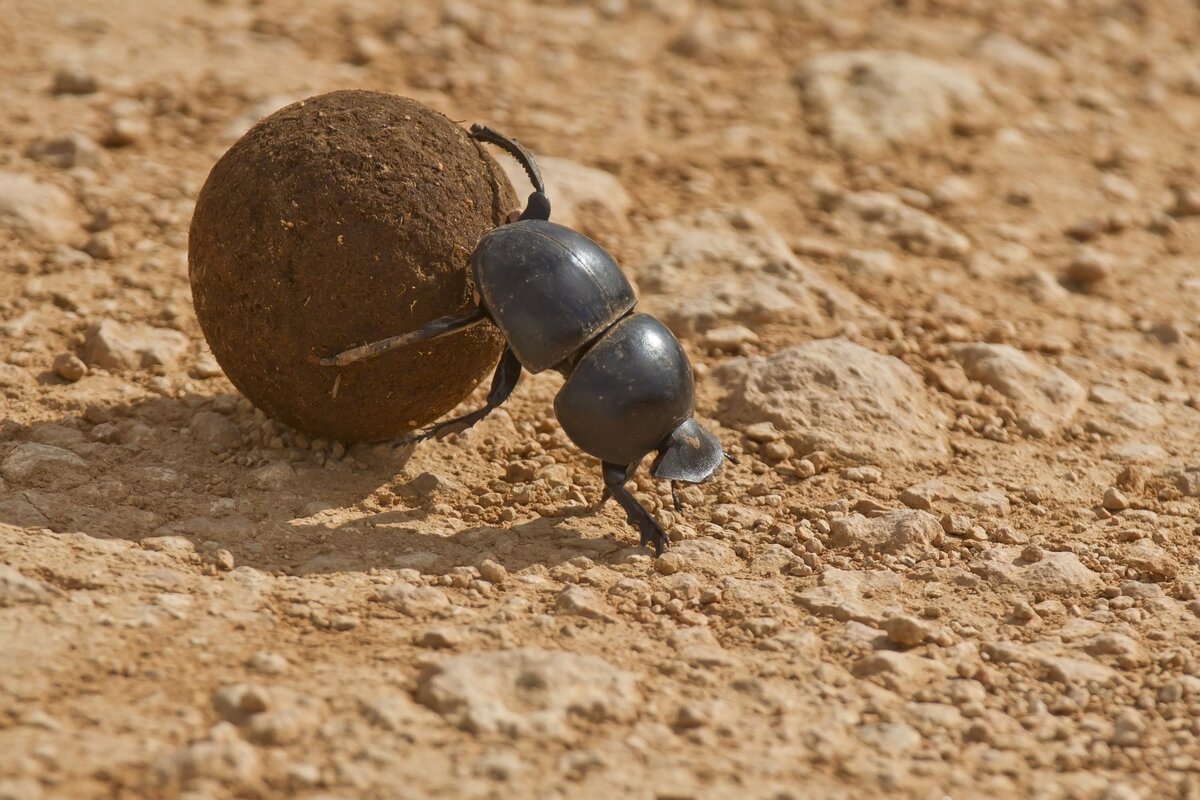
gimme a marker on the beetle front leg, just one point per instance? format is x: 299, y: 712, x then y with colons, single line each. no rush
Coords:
x: 615, y: 476
x: 435, y: 329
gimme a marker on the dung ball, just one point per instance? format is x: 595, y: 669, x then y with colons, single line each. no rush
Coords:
x: 339, y: 220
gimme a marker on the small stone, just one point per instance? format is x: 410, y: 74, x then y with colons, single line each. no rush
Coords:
x: 440, y: 638
x: 905, y: 630
x: 528, y: 692
x: 69, y: 367
x: 492, y: 572
x: 17, y: 589
x: 74, y: 80
x: 215, y: 430
x: 223, y: 560
x: 891, y: 532
x: 207, y: 367
x: 274, y: 477
x: 762, y: 432
x: 1128, y: 729
x: 1187, y: 202
x: 581, y: 602
x: 31, y: 461
x: 865, y: 474
x: 730, y: 338
x: 125, y: 130
x: 829, y: 395
x: 414, y: 601
x: 267, y: 662
x: 65, y: 152
x: 1114, y: 500
x: 870, y: 263
x: 1150, y: 559
x: 39, y: 209
x: 101, y: 246
x: 112, y: 345
x: 669, y: 563
x: 1089, y: 266
x: 777, y: 451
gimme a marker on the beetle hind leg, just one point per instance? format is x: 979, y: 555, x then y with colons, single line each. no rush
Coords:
x: 504, y: 380
x: 615, y: 476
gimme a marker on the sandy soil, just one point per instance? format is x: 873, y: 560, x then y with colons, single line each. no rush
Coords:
x: 937, y: 266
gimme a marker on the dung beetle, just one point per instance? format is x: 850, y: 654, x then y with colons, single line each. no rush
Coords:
x: 562, y: 303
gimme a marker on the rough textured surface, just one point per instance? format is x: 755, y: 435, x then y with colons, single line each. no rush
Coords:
x: 528, y: 692
x: 198, y: 602
x: 836, y: 396
x: 343, y: 219
x: 868, y: 101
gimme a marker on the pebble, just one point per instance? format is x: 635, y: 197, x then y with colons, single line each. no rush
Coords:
x: 1187, y: 202
x: 669, y: 563
x: 905, y: 630
x: 17, y: 589
x: 1044, y: 397
x: 493, y: 692
x: 39, y: 209
x: 1114, y: 500
x: 267, y: 662
x: 581, y: 602
x: 868, y: 101
x: 113, y: 345
x: 863, y: 474
x: 1090, y: 266
x: 74, y: 80
x: 492, y: 572
x: 215, y: 430
x: 730, y: 338
x: 829, y: 395
x: 69, y: 367
x: 30, y: 461
x: 891, y: 532
x: 65, y: 152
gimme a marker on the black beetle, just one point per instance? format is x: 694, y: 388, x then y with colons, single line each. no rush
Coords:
x: 563, y: 303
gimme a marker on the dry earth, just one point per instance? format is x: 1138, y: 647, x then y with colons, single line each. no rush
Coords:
x: 937, y: 263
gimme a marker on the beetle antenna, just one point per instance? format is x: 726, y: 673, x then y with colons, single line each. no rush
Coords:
x: 485, y: 134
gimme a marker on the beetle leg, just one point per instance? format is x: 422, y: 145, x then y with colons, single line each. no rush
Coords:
x: 615, y: 476
x: 442, y: 326
x: 504, y: 380
x: 675, y: 499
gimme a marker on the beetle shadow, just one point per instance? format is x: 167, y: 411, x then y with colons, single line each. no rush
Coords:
x: 140, y: 470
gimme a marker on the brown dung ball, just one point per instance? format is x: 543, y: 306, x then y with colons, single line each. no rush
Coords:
x: 339, y: 220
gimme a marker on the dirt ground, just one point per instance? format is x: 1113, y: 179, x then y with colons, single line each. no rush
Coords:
x: 937, y: 264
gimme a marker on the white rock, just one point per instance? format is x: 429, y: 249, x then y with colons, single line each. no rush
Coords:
x: 1044, y: 397
x: 223, y: 758
x: 528, y: 692
x: 869, y: 101
x: 581, y: 197
x: 31, y: 207
x: 852, y: 595
x: 894, y: 532
x: 17, y: 589
x: 217, y: 430
x: 581, y: 602
x: 708, y: 269
x: 30, y: 461
x: 885, y: 217
x: 112, y: 345
x: 1058, y: 573
x: 1149, y: 559
x: 415, y: 601
x: 274, y: 477
x: 836, y: 396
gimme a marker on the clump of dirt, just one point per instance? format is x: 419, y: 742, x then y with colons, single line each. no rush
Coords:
x: 342, y: 219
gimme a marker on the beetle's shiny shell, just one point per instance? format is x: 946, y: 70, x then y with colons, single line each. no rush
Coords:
x: 549, y: 289
x: 628, y: 392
